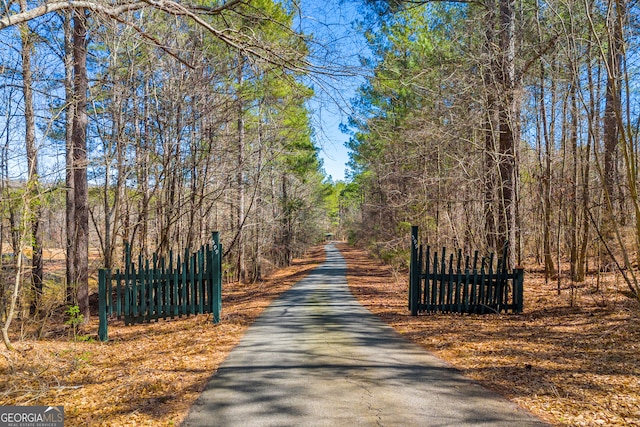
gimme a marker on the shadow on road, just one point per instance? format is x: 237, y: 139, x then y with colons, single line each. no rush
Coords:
x: 317, y: 357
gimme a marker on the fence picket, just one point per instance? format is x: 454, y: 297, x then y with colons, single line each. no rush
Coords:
x: 157, y: 290
x: 441, y: 288
x: 126, y: 288
x: 481, y: 286
x: 200, y: 281
x: 163, y: 281
x: 127, y: 297
x: 118, y: 293
x: 184, y: 284
x: 518, y: 291
x: 474, y: 289
x: 449, y: 288
x: 427, y: 295
x: 103, y: 295
x: 466, y: 289
x: 144, y: 288
x: 108, y: 287
x: 175, y: 302
x: 207, y: 278
x: 419, y: 280
x: 445, y: 287
x: 152, y: 297
x: 434, y: 283
x: 157, y: 286
x: 460, y: 285
x: 413, y: 278
x: 192, y: 285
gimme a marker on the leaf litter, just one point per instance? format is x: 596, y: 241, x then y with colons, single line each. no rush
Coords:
x: 147, y: 374
x: 572, y: 364
x: 571, y: 361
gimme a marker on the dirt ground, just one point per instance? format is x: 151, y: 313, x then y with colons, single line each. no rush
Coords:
x: 570, y: 364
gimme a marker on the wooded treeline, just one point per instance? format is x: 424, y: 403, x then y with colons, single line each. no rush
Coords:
x: 177, y: 120
x: 501, y: 122
x: 486, y: 123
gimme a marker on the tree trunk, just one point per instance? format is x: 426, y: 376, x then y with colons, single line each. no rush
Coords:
x: 286, y: 226
x: 32, y: 164
x: 509, y: 128
x: 70, y: 218
x: 79, y: 142
x: 241, y: 268
x: 19, y: 251
x: 613, y: 105
x: 490, y: 131
x: 490, y: 217
x: 586, y: 174
x: 3, y: 162
x: 4, y: 182
x: 114, y: 148
x: 573, y: 200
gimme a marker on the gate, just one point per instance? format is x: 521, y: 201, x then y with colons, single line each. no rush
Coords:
x: 161, y: 289
x: 451, y: 284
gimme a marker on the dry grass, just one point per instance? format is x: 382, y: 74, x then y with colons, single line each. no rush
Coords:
x: 571, y: 365
x: 575, y: 365
x: 146, y: 374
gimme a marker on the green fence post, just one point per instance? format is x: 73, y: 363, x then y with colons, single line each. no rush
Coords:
x: 518, y: 290
x: 219, y: 278
x: 185, y: 282
x: 118, y: 304
x: 199, y: 280
x: 414, y: 275
x: 102, y: 305
x: 216, y: 288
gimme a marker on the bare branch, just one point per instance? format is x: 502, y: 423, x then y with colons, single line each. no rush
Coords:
x: 231, y: 37
x: 49, y: 7
x: 113, y: 11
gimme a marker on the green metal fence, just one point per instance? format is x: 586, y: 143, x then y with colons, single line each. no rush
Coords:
x: 162, y: 288
x: 451, y: 283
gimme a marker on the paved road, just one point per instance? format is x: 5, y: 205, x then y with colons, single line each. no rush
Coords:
x: 316, y: 357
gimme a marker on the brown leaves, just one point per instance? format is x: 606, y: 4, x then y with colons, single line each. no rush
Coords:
x: 569, y: 365
x: 147, y: 374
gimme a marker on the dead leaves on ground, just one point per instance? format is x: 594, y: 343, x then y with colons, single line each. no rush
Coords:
x: 146, y: 374
x: 575, y: 365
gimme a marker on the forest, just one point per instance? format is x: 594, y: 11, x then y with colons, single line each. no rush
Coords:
x: 487, y: 123
x: 498, y: 123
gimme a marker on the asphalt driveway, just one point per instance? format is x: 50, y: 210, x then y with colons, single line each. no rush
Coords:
x: 316, y: 357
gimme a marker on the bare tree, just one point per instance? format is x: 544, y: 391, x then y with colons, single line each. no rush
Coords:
x: 70, y: 110
x: 79, y: 141
x: 32, y: 161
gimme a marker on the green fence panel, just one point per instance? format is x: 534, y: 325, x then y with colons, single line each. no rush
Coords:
x: 159, y: 289
x: 453, y: 284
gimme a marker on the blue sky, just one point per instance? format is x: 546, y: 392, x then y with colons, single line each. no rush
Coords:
x: 336, y: 48
x: 335, y: 51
